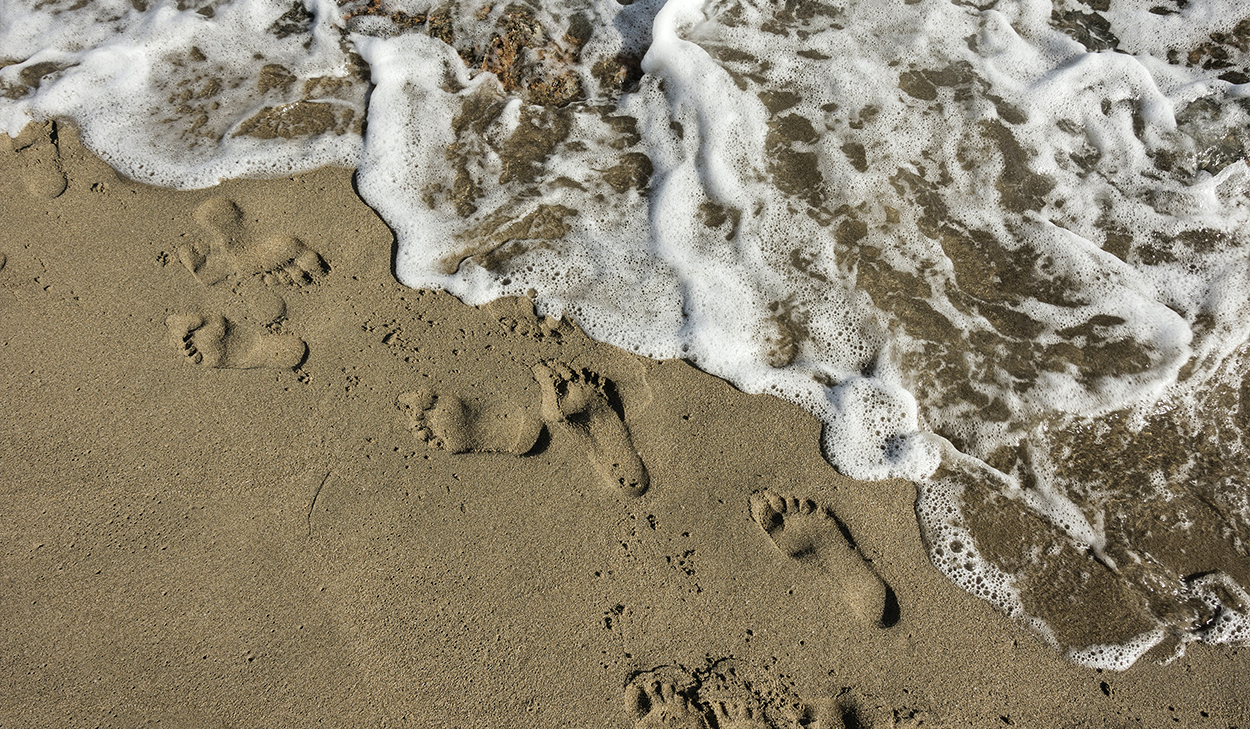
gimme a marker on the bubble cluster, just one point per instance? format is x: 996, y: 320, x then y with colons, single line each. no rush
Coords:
x: 187, y: 97
x: 953, y: 549
x: 1116, y: 657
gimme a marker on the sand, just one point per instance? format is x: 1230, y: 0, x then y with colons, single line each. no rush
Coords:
x: 248, y: 479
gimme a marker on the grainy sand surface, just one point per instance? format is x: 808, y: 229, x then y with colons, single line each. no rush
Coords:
x: 248, y: 479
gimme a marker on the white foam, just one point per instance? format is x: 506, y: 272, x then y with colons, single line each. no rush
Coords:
x: 1117, y: 657
x: 162, y: 95
x: 939, y: 506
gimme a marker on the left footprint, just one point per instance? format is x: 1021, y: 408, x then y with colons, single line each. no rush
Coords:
x: 211, y: 341
x: 449, y: 423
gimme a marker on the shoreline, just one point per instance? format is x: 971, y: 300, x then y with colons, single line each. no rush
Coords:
x: 202, y: 545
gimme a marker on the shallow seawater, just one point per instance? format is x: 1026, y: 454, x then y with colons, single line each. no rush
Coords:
x: 999, y: 248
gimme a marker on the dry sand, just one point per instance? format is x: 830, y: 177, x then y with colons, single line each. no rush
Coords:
x: 228, y: 498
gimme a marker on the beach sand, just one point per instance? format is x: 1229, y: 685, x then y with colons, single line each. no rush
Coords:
x: 229, y: 498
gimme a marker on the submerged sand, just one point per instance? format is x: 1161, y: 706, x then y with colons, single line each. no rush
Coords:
x: 248, y: 479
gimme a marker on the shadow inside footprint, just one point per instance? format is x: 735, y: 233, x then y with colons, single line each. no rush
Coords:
x: 39, y: 155
x: 734, y: 713
x: 580, y: 402
x: 212, y: 341
x: 813, y: 536
x: 284, y: 260
x: 658, y: 704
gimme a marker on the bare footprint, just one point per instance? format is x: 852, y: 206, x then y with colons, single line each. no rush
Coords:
x: 213, y: 261
x: 448, y: 423
x: 40, y: 157
x: 736, y: 713
x: 280, y: 260
x: 577, y: 401
x: 211, y: 341
x: 516, y: 315
x: 658, y: 704
x: 813, y: 536
x: 283, y: 260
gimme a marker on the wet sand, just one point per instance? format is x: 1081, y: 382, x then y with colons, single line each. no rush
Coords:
x: 248, y: 479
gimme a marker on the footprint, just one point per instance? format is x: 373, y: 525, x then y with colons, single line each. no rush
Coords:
x: 578, y: 402
x: 280, y: 260
x: 671, y: 696
x: 812, y: 535
x: 738, y: 714
x: 516, y: 315
x: 850, y: 709
x: 211, y: 263
x: 39, y: 155
x: 283, y: 260
x: 448, y: 423
x: 211, y: 341
x: 659, y: 704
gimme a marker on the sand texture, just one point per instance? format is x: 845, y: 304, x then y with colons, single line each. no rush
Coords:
x: 249, y: 480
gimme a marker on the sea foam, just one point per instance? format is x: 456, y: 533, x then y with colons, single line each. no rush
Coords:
x: 996, y: 248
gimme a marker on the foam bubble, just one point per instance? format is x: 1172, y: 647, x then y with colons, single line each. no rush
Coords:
x: 1119, y: 656
x: 954, y: 552
x: 172, y: 97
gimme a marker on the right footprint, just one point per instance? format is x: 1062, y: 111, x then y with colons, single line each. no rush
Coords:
x: 738, y: 714
x: 279, y: 259
x: 812, y: 535
x: 283, y: 260
x: 577, y: 402
x: 212, y: 341
x: 659, y: 704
